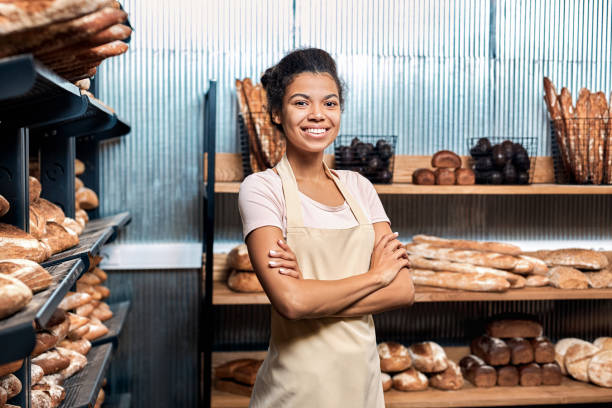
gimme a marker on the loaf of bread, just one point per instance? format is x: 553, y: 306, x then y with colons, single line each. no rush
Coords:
x: 394, y: 357
x: 36, y: 373
x: 81, y: 346
x: 11, y: 367
x: 87, y: 199
x: 577, y: 359
x: 244, y: 281
x: 386, y: 380
x: 73, y: 225
x: 29, y: 272
x: 3, y: 397
x: 102, y: 312
x: 72, y: 300
x: 60, y: 330
x: 84, y: 288
x: 566, y: 277
x: 103, y: 291
x: 600, y: 279
x: 445, y: 177
x: 492, y: 350
x: 40, y: 399
x: 575, y: 258
x: 81, y: 217
x: 59, y: 238
x: 410, y: 380
x: 96, y: 330
x: 604, y: 343
x: 561, y: 349
x: 51, y: 362
x: 490, y: 259
x: 78, y: 183
x: 521, y: 351
x: 238, y: 258
x: 539, y: 266
x: 498, y: 247
x: 445, y: 159
x: 476, y: 371
x: 530, y: 375
x: 100, y: 274
x: 428, y: 357
x: 86, y: 309
x: 507, y: 328
x: 226, y: 370
x: 14, y: 295
x: 77, y: 334
x: 600, y: 369
x: 551, y: 374
x: 44, y: 341
x: 35, y: 189
x: 16, y: 243
x: 507, y: 376
x: 465, y: 177
x: 79, y: 167
x: 50, y: 211
x: 461, y: 281
x: 523, y: 266
x: 89, y: 278
x: 449, y: 379
x: 4, y: 206
x: 543, y: 350
x: 247, y: 373
x: 423, y: 177
x: 38, y: 223
x: 11, y: 384
x: 77, y: 362
x: 55, y: 392
x: 536, y: 281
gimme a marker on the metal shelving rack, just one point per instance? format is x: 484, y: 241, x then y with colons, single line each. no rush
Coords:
x: 42, y: 112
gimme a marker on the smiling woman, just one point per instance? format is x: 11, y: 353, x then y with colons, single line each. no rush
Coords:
x: 322, y: 248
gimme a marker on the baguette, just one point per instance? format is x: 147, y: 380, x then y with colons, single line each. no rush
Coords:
x: 569, y: 116
x: 608, y: 147
x: 490, y: 259
x: 461, y: 281
x: 539, y: 266
x: 498, y: 247
x: 554, y: 109
x: 254, y: 153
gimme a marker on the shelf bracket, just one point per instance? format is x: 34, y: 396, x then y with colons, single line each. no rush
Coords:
x: 14, y: 176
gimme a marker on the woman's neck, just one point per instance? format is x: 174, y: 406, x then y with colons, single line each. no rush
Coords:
x: 306, y: 165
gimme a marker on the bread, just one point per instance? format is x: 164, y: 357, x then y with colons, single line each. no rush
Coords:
x: 226, y: 370
x: 3, y: 397
x: 247, y: 373
x: 73, y: 225
x: 78, y: 334
x: 238, y: 258
x: 51, y: 362
x: 394, y: 357
x: 81, y: 346
x: 4, y: 206
x: 50, y: 211
x: 497, y: 247
x: 423, y: 177
x: 77, y: 362
x: 600, y: 369
x: 507, y: 376
x: 462, y: 281
x: 604, y: 343
x: 89, y: 278
x: 86, y: 309
x: 476, y: 371
x: 44, y: 341
x: 102, y: 312
x: 576, y: 258
x: 110, y: 34
x: 60, y: 330
x: 554, y: 109
x: 428, y: 357
x: 35, y: 189
x: 14, y: 295
x: 83, y: 54
x: 535, y: 281
x: 103, y: 291
x: 561, y: 349
x: 59, y: 316
x: 11, y: 384
x: 566, y: 277
x: 523, y: 266
x: 96, y: 330
x: 244, y: 281
x: 530, y: 375
x: 100, y: 398
x: 569, y: 117
x: 492, y: 350
x: 255, y: 158
x: 16, y: 243
x: 40, y: 399
x: 100, y: 274
x: 551, y: 374
x: 30, y: 273
x: 55, y: 392
x: 36, y: 373
x: 59, y: 238
x: 445, y: 159
x: 490, y: 259
x: 386, y: 380
x: 84, y: 288
x: 81, y: 217
x: 11, y: 367
x: 539, y: 266
x: 87, y: 199
x: 72, y: 300
x: 577, y: 359
x: 53, y: 379
x: 445, y: 177
x: 410, y: 380
x: 38, y: 223
x: 507, y: 328
x: 543, y: 350
x: 521, y: 351
x: 601, y: 279
x: 465, y: 177
x: 449, y: 379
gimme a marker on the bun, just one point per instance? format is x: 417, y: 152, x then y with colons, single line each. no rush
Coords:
x: 410, y: 380
x: 424, y: 177
x: 428, y: 357
x: 394, y: 357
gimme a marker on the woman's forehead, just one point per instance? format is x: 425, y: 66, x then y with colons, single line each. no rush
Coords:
x: 312, y: 84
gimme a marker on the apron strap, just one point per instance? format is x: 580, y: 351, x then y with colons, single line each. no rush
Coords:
x: 355, y: 207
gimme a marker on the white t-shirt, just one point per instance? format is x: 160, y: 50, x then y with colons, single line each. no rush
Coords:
x: 261, y: 202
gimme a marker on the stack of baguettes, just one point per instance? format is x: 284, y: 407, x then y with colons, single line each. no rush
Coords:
x: 473, y: 265
x: 266, y: 142
x: 72, y: 37
x: 583, y: 133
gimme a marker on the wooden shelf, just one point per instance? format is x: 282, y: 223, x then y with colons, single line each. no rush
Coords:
x: 567, y: 393
x: 222, y: 295
x: 412, y: 189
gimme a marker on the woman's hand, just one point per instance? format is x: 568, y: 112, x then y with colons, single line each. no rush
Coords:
x: 285, y: 260
x: 388, y: 257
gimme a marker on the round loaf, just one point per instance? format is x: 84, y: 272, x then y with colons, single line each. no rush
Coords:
x: 14, y: 295
x: 600, y: 369
x: 59, y: 238
x: 16, y: 243
x: 238, y: 258
x: 11, y: 385
x: 410, y: 380
x: 577, y: 359
x: 79, y: 167
x: 50, y: 211
x: 445, y: 177
x: 244, y: 281
x: 394, y: 357
x: 4, y: 206
x: 449, y: 379
x: 30, y: 273
x: 87, y: 199
x: 423, y: 177
x: 561, y: 349
x: 604, y: 343
x: 446, y: 159
x: 387, y: 382
x: 465, y: 177
x: 38, y: 223
x: 428, y: 357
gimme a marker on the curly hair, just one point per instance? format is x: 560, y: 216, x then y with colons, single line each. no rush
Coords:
x: 276, y: 79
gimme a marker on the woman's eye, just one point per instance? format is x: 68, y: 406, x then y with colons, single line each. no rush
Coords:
x: 301, y: 103
x: 331, y: 104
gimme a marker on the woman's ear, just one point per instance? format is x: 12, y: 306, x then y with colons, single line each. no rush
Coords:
x: 276, y: 118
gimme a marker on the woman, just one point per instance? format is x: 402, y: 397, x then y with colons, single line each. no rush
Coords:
x: 339, y: 262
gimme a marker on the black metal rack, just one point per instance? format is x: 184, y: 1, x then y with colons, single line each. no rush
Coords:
x: 89, y: 244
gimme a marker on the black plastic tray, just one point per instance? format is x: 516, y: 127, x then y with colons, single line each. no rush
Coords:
x: 89, y: 243
x: 115, y: 324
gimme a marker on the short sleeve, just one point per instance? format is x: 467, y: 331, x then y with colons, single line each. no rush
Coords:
x: 259, y: 204
x: 371, y: 200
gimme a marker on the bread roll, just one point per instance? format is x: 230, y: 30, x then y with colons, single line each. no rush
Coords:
x: 507, y: 328
x: 428, y: 357
x: 11, y: 384
x: 492, y: 350
x: 72, y: 300
x: 96, y: 330
x: 35, y: 189
x: 445, y: 177
x: 449, y: 379
x: 103, y: 291
x: 603, y: 343
x: 536, y: 281
x: 600, y: 279
x: 11, y: 367
x: 238, y: 258
x: 521, y: 351
x: 86, y: 309
x: 490, y: 259
x: 561, y: 349
x: 4, y: 206
x: 577, y: 359
x: 100, y: 274
x: 543, y: 349
x: 247, y: 373
x: 410, y: 380
x: 530, y: 375
x: 29, y: 272
x: 461, y: 281
x: 387, y: 382
x: 394, y: 357
x: 72, y: 225
x: 81, y: 217
x: 51, y: 362
x: 523, y: 266
x: 77, y: 334
x: 565, y: 277
x: 16, y: 243
x: 44, y: 341
x: 78, y: 183
x: 575, y: 258
x: 14, y: 295
x: 60, y: 330
x: 423, y: 177
x: 507, y: 376
x: 102, y: 312
x: 445, y: 159
x: 600, y: 369
x: 84, y: 288
x: 244, y: 281
x: 87, y: 199
x: 551, y: 374
x: 477, y: 372
x: 465, y: 177
x: 36, y: 373
x: 89, y: 278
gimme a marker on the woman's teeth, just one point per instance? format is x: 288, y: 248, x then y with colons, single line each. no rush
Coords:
x: 315, y: 131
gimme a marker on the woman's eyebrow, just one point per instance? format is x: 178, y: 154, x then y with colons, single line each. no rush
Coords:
x: 330, y: 96
x: 299, y: 94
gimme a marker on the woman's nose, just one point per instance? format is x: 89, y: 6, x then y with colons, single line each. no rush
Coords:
x: 316, y: 114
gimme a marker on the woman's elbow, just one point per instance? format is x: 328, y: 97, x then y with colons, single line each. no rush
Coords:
x: 408, y: 290
x: 290, y: 308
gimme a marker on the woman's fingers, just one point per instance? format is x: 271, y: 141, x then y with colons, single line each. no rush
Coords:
x: 290, y: 256
x: 386, y: 239
x: 400, y: 253
x: 282, y: 264
x: 289, y: 272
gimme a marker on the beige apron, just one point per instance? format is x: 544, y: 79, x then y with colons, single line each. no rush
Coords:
x: 326, y: 362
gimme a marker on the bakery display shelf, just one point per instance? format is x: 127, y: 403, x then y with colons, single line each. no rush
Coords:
x: 119, y: 128
x: 17, y: 332
x: 568, y: 392
x: 412, y: 189
x: 32, y: 95
x: 83, y: 387
x: 116, y: 222
x: 114, y: 324
x: 223, y: 295
x: 118, y: 401
x: 89, y: 244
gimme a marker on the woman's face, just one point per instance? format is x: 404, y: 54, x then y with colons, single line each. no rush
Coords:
x: 311, y: 111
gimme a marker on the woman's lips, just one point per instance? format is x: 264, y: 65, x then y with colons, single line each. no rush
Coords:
x: 316, y: 133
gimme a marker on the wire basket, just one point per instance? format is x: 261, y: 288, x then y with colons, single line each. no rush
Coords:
x: 244, y: 145
x: 372, y: 156
x: 582, y: 150
x: 263, y: 146
x: 515, y: 166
